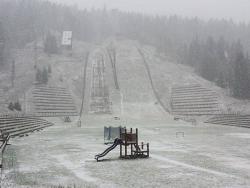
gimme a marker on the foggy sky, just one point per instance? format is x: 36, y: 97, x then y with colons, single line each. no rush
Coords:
x: 238, y: 10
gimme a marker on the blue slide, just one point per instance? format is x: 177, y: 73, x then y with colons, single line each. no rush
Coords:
x: 117, y: 142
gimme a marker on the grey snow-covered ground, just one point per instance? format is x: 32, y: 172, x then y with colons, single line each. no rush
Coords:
x: 207, y: 156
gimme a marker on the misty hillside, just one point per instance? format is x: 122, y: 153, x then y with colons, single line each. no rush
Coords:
x: 108, y: 98
x: 215, y: 50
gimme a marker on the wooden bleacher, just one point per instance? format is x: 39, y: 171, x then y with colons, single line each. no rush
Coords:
x: 231, y: 120
x: 193, y: 100
x: 19, y: 126
x: 53, y: 101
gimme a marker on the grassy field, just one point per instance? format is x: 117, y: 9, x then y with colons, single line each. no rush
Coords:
x: 206, y: 156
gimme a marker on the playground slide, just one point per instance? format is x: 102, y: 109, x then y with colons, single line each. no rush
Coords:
x: 117, y: 142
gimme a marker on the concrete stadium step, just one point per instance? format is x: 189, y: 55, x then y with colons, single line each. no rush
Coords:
x: 49, y: 91
x: 214, y: 112
x: 230, y: 117
x: 196, y: 113
x: 55, y: 105
x: 233, y: 124
x: 8, y: 129
x: 30, y: 130
x: 194, y: 107
x: 198, y: 101
x: 12, y: 118
x: 194, y: 96
x: 23, y: 124
x: 194, y: 104
x: 56, y: 114
x: 17, y: 116
x: 55, y: 100
x: 230, y: 120
x: 51, y: 100
x: 200, y: 90
x: 19, y: 122
x: 236, y: 124
x: 195, y: 91
x: 206, y: 96
x: 50, y: 88
x: 187, y: 87
x: 58, y: 111
x: 51, y: 94
x: 35, y: 91
x: 9, y: 121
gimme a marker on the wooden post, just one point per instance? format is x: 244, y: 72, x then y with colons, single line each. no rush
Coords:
x: 136, y: 131
x: 148, y: 149
x: 120, y: 144
x: 131, y: 146
x: 125, y: 143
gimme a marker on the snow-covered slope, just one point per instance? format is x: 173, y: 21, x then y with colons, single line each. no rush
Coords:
x: 135, y: 97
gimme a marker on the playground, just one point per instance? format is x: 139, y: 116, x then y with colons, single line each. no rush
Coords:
x: 181, y: 155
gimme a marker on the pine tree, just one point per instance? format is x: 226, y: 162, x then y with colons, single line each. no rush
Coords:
x: 49, y: 69
x: 2, y: 44
x: 194, y: 52
x: 50, y: 44
x: 45, y: 76
x: 209, y: 63
x: 241, y: 80
x: 11, y: 106
x: 17, y: 106
x: 241, y: 77
x: 220, y: 81
x: 39, y: 75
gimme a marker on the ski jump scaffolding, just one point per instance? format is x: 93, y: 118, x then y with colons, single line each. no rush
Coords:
x: 128, y: 142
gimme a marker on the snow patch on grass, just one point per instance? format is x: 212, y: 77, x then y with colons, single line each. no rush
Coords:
x: 76, y: 169
x: 196, y: 168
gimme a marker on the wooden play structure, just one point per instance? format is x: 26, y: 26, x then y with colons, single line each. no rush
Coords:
x: 129, y: 146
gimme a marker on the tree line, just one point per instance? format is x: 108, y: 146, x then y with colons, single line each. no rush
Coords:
x: 221, y: 62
